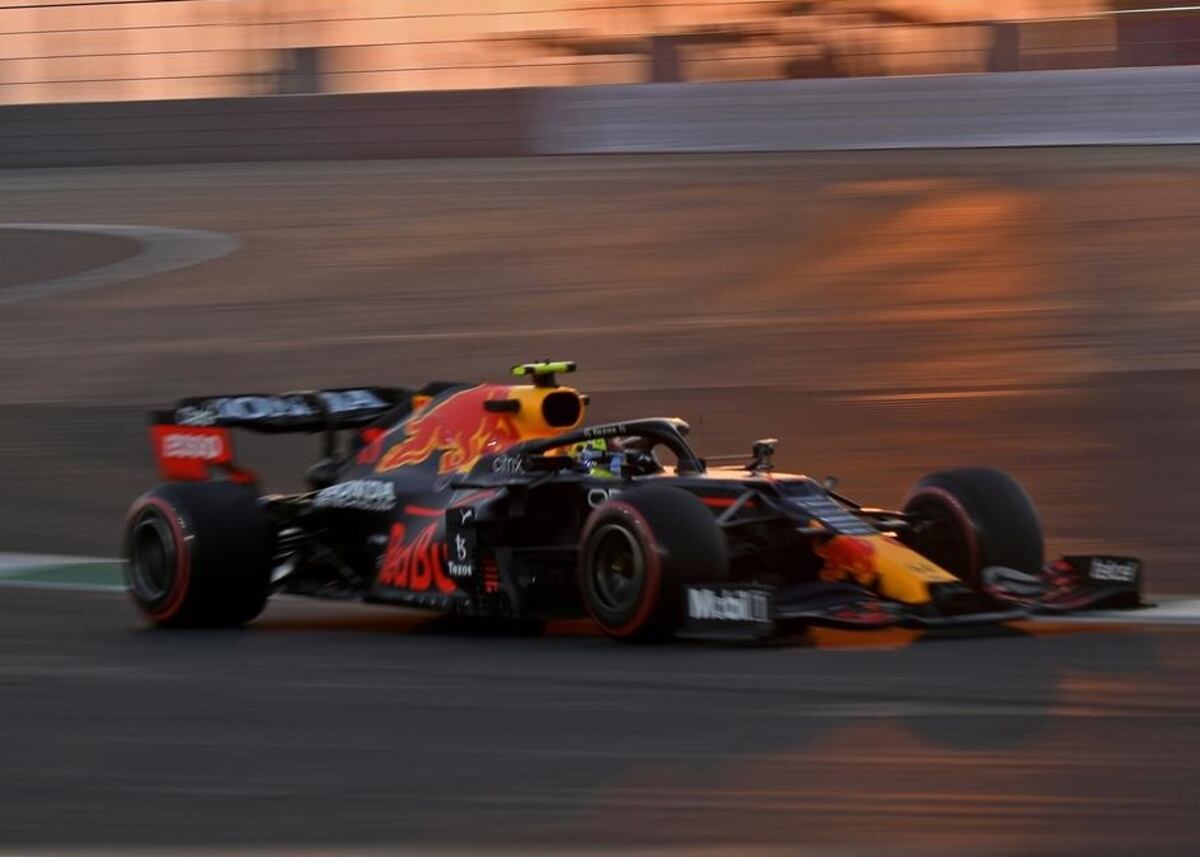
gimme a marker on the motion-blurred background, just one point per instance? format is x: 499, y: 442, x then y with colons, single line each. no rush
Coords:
x: 85, y: 50
x: 899, y: 236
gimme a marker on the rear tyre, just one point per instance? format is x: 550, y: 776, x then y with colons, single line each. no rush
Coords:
x: 973, y: 518
x: 198, y: 555
x: 637, y: 551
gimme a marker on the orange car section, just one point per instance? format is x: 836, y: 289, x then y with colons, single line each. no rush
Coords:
x: 883, y: 565
x: 462, y: 430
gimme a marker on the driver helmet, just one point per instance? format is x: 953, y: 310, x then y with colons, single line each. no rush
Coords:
x: 597, y: 457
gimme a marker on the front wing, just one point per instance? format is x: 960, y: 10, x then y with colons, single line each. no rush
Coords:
x: 1070, y: 584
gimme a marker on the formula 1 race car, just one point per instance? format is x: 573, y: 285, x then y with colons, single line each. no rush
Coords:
x: 493, y: 500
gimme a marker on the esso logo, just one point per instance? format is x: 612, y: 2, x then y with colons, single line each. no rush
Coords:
x: 206, y: 447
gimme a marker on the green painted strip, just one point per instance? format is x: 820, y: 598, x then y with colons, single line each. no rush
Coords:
x: 105, y: 574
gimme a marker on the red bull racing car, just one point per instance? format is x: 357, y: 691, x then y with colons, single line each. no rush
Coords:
x: 496, y: 500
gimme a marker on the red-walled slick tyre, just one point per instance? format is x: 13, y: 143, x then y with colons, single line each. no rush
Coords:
x: 198, y: 555
x: 973, y: 518
x: 636, y: 553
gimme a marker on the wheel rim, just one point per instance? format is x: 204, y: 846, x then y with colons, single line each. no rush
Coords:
x: 941, y: 538
x: 152, y: 558
x: 617, y: 568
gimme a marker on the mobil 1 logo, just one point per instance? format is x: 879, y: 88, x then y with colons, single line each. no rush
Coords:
x: 733, y: 611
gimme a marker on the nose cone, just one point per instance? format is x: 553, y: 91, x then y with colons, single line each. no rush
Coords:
x: 883, y: 564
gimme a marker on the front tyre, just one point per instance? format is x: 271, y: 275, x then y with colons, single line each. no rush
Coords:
x: 636, y: 553
x: 198, y: 555
x: 972, y: 518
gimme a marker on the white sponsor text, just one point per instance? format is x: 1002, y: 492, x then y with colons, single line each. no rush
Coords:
x: 207, y: 447
x: 729, y: 605
x: 368, y: 495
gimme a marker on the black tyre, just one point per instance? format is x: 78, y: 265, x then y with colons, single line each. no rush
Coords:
x: 198, y: 555
x: 973, y: 518
x: 635, y: 553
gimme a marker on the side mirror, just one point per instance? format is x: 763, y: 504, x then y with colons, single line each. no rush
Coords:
x: 763, y: 451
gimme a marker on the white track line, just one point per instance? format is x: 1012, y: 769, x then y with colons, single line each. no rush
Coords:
x: 163, y: 250
x: 17, y: 564
x: 20, y: 563
x: 1166, y: 611
x: 71, y: 587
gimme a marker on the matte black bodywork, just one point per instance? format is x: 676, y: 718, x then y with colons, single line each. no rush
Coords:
x: 499, y: 534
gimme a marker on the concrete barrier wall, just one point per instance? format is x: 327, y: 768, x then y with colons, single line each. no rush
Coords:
x: 1119, y: 106
x: 1116, y: 106
x: 389, y: 125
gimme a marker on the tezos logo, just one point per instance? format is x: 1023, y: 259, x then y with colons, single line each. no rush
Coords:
x: 606, y: 431
x: 461, y: 565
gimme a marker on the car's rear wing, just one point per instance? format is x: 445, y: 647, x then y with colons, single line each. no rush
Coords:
x: 195, y: 435
x: 310, y: 411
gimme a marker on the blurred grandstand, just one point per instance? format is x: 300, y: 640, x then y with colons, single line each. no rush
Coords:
x: 89, y: 50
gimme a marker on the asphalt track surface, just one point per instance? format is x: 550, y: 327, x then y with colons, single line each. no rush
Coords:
x: 883, y: 314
